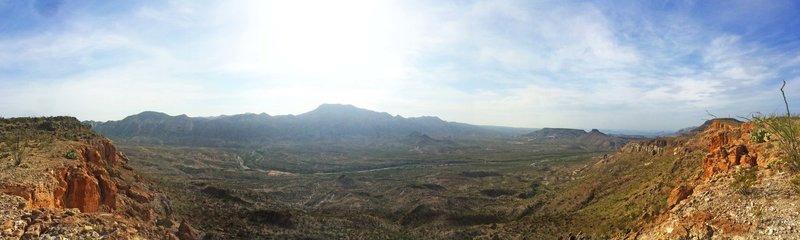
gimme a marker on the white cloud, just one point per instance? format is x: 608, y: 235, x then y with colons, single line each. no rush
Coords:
x: 501, y: 62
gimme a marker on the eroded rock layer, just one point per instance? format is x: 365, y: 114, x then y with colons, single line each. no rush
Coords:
x: 69, y: 177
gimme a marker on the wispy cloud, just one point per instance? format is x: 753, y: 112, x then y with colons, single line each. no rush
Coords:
x: 642, y: 65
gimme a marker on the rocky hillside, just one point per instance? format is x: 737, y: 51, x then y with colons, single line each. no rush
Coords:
x: 578, y: 137
x: 743, y: 191
x: 717, y: 183
x: 329, y: 122
x: 58, y: 178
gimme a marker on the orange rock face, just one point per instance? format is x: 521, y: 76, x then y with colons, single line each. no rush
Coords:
x: 83, y: 192
x: 87, y: 186
x: 108, y: 189
x: 729, y: 146
x: 90, y: 186
x: 84, y: 171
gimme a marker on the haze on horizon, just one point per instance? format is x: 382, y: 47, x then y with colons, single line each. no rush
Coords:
x: 641, y: 65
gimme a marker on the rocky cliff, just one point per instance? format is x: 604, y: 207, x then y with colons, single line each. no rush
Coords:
x: 70, y: 178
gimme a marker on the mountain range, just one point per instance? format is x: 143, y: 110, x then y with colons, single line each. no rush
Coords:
x: 593, y: 138
x: 328, y: 122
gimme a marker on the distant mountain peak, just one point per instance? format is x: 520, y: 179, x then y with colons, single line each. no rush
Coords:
x: 149, y: 115
x: 329, y: 110
x: 337, y: 106
x: 596, y: 132
x: 339, y: 122
x: 152, y: 113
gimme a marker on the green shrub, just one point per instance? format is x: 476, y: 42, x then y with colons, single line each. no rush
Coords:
x: 744, y: 178
x: 71, y: 154
x: 759, y: 136
x: 787, y: 131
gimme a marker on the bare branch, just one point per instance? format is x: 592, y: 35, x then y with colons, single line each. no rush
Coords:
x: 710, y: 114
x: 784, y: 99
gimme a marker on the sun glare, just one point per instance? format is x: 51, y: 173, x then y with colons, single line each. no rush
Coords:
x: 332, y: 37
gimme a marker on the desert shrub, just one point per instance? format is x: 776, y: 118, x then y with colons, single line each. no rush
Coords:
x: 18, y: 148
x: 759, y: 136
x: 787, y: 131
x: 743, y: 179
x: 71, y: 154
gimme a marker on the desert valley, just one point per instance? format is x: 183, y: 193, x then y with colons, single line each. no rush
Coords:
x: 399, y: 119
x: 341, y: 172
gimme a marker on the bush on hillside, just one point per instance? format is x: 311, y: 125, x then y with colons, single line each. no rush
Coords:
x: 72, y: 154
x: 786, y: 131
x: 786, y: 128
x: 744, y: 178
x: 759, y: 136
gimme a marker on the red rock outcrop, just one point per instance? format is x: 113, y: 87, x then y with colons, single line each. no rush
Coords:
x: 70, y: 171
x: 82, y: 192
x: 88, y: 186
x: 729, y: 146
x: 93, y: 182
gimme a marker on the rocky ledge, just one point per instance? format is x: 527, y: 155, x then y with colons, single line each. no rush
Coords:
x: 70, y: 183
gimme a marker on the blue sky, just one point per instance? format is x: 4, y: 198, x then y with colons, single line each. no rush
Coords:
x: 644, y: 65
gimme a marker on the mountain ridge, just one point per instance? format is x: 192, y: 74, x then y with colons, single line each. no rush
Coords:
x: 593, y: 138
x: 328, y: 122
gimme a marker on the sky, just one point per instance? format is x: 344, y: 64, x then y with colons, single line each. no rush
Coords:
x: 639, y: 65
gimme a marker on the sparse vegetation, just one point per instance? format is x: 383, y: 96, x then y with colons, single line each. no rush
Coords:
x: 786, y: 129
x: 744, y: 178
x: 17, y: 146
x: 759, y: 136
x: 71, y: 154
x: 787, y: 133
x: 337, y: 191
x: 19, y: 135
x: 18, y: 150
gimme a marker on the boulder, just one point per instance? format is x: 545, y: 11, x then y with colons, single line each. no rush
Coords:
x: 678, y: 194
